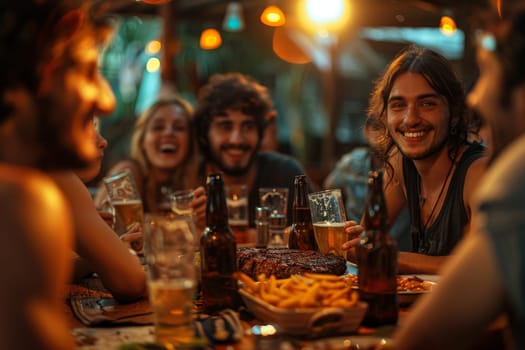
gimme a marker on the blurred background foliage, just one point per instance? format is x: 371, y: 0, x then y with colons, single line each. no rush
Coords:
x: 321, y: 104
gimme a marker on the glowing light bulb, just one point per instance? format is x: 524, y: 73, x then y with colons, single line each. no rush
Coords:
x: 210, y: 39
x: 273, y: 16
x: 447, y: 25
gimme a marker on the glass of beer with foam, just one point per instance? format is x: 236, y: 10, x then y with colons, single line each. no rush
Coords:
x: 126, y: 202
x: 328, y: 218
x: 172, y: 277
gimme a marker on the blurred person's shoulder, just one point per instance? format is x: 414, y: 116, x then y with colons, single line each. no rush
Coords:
x: 356, y: 161
x: 31, y: 198
x: 21, y: 185
x: 271, y: 160
x: 504, y: 178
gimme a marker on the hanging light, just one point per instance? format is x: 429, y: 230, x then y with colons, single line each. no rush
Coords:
x: 155, y: 2
x: 273, y: 16
x: 447, y: 25
x: 233, y: 20
x: 210, y: 39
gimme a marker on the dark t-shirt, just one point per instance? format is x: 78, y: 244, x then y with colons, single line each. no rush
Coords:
x: 274, y: 170
x: 446, y: 231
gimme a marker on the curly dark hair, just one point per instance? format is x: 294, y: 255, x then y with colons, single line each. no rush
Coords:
x: 230, y: 91
x: 439, y: 74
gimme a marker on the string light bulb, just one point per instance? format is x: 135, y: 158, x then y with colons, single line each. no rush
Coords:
x: 273, y: 16
x: 233, y: 20
x: 447, y: 25
x: 210, y: 39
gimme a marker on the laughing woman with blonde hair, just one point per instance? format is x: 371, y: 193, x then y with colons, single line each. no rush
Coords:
x: 163, y: 156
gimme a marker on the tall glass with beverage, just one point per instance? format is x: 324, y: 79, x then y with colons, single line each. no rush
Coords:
x: 328, y: 217
x: 377, y: 258
x: 126, y: 202
x: 237, y: 203
x: 171, y: 277
x: 218, y: 252
x: 276, y: 199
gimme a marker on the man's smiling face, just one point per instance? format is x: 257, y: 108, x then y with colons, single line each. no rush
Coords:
x: 418, y: 117
x: 234, y: 141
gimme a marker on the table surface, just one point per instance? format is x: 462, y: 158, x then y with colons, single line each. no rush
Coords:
x: 109, y: 338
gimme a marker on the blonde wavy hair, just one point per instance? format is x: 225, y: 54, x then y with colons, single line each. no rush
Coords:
x: 185, y: 176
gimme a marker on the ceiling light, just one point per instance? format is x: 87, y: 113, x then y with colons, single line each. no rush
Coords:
x: 210, y: 39
x: 447, y: 25
x: 273, y: 16
x: 233, y: 20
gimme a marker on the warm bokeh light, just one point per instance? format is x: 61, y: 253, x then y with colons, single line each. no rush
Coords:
x: 155, y: 2
x: 273, y: 16
x: 153, y: 64
x: 447, y: 25
x: 329, y: 15
x: 153, y: 47
x: 286, y: 48
x: 210, y: 39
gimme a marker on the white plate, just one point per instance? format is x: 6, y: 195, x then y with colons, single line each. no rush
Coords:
x: 408, y: 297
x: 404, y: 297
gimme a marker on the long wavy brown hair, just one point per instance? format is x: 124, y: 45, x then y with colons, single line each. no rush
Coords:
x: 440, y: 75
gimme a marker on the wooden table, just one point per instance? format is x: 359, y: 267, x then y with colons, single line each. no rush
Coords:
x: 108, y: 338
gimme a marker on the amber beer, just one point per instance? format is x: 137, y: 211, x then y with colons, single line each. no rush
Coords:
x: 238, y: 219
x: 172, y: 304
x: 127, y: 212
x: 330, y: 236
x: 218, y: 252
x: 377, y: 259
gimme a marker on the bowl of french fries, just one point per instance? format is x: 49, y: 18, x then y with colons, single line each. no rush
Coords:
x: 310, y: 304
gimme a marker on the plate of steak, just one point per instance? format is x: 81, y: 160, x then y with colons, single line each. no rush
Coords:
x: 282, y: 263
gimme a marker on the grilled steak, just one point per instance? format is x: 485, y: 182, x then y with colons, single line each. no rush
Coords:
x: 284, y: 262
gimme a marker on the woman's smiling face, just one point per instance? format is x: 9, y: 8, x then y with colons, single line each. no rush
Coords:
x: 167, y: 137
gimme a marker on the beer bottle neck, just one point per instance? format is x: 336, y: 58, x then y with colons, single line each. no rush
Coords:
x: 216, y: 209
x: 375, y: 215
x: 300, y: 203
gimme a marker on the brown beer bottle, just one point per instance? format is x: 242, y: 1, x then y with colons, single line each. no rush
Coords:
x: 218, y: 252
x: 302, y: 231
x: 377, y: 258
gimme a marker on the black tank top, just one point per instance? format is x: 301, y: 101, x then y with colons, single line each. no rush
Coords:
x: 446, y: 231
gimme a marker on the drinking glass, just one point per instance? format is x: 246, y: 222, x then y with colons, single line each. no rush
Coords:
x: 172, y: 277
x: 126, y: 202
x: 328, y: 218
x: 237, y: 203
x: 276, y: 199
x: 180, y: 202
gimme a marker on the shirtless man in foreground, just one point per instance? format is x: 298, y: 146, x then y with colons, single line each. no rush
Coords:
x: 50, y: 90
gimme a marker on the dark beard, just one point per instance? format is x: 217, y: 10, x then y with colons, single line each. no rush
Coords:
x: 233, y: 171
